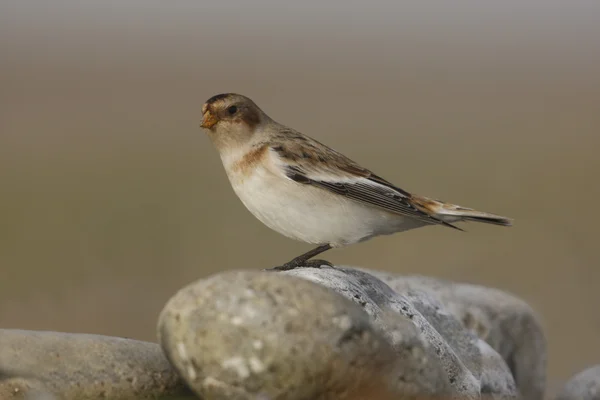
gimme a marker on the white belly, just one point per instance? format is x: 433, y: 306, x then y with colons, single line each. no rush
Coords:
x: 313, y: 215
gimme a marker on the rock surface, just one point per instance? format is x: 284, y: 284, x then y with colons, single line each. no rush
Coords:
x: 286, y: 335
x: 451, y: 346
x: 61, y: 366
x: 306, y: 334
x: 583, y: 386
x: 263, y: 335
x: 497, y: 381
x: 505, y: 322
x: 23, y: 388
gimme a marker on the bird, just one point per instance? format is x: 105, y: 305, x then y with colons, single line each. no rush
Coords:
x: 309, y: 192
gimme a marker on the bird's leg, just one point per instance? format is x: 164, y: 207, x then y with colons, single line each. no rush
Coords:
x: 303, y: 260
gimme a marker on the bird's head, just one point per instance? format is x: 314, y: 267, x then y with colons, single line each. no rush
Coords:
x: 231, y: 119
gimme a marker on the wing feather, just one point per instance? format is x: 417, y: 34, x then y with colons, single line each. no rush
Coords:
x: 312, y: 163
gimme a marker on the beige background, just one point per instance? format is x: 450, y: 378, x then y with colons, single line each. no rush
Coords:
x: 112, y: 198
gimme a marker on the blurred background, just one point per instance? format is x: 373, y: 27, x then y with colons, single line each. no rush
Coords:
x: 112, y: 198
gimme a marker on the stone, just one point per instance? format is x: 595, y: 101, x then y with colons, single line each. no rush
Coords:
x: 266, y: 335
x: 583, y: 386
x: 23, y: 388
x: 63, y: 366
x: 449, y: 344
x: 505, y: 322
x: 497, y: 382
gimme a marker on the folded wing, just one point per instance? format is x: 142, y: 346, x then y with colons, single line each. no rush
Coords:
x: 312, y: 163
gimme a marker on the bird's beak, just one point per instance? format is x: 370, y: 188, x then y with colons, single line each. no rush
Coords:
x: 208, y: 120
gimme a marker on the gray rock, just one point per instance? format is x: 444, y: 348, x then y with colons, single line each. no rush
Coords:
x: 583, y: 386
x: 60, y: 366
x: 449, y: 344
x: 266, y: 335
x: 497, y: 382
x: 505, y: 322
x: 26, y: 389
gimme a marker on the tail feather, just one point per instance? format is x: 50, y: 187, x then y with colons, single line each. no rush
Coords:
x: 453, y: 213
x: 458, y: 213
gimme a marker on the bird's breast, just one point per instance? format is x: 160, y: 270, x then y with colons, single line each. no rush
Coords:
x: 306, y: 213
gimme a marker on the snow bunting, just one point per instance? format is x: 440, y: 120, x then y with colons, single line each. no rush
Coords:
x: 310, y: 192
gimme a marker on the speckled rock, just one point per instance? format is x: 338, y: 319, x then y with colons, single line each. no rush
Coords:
x: 497, y: 382
x: 450, y: 345
x: 583, y: 386
x: 25, y: 389
x: 505, y: 322
x: 265, y: 335
x: 61, y: 366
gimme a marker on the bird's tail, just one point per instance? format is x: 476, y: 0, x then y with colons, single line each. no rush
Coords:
x: 453, y: 213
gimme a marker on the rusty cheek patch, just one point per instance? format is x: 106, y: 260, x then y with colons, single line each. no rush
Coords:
x: 251, y: 159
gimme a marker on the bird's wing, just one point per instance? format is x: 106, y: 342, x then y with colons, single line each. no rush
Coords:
x: 306, y: 161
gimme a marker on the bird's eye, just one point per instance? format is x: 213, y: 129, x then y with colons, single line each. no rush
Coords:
x: 232, y: 110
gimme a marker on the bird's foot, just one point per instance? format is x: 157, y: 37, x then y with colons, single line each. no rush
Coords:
x: 301, y: 264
